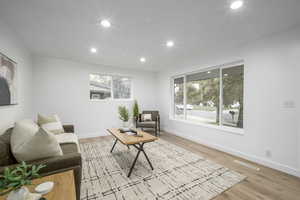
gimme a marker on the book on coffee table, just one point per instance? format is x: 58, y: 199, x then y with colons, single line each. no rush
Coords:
x: 123, y: 130
x: 130, y: 131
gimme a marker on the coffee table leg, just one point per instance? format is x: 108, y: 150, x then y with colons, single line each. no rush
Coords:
x: 114, y: 145
x: 140, y: 149
x: 133, y: 164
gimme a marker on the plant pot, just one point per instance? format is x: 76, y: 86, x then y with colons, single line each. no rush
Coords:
x: 19, y: 194
x: 126, y: 124
x: 23, y: 194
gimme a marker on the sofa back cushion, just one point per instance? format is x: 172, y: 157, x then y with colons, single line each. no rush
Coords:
x: 6, y: 156
x: 50, y: 123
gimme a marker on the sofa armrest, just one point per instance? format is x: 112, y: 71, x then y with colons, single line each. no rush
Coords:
x: 54, y: 163
x: 69, y: 128
x: 60, y: 162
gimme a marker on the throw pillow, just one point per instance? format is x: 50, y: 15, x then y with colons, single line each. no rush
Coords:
x: 146, y: 117
x: 33, y: 143
x: 22, y: 131
x: 50, y: 123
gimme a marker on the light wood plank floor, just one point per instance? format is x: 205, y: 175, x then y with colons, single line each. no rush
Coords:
x: 266, y: 184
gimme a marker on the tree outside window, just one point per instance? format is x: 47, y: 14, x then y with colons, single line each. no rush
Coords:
x: 204, y: 96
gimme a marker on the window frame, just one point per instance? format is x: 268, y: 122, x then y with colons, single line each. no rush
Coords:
x: 220, y: 125
x: 111, y: 88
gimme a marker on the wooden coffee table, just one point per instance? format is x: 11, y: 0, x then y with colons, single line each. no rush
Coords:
x: 137, y: 142
x: 64, y: 186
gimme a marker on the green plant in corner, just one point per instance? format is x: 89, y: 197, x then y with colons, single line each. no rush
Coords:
x: 135, y: 109
x: 15, y: 178
x: 123, y: 113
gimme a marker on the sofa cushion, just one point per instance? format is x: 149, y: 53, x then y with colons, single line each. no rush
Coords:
x: 68, y: 138
x: 29, y: 142
x: 50, y: 123
x: 69, y: 148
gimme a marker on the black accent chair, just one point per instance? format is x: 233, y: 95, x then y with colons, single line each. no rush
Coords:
x: 154, y: 123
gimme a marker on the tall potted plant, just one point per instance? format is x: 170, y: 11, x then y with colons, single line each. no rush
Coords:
x: 124, y: 116
x: 14, y: 181
x: 135, y: 110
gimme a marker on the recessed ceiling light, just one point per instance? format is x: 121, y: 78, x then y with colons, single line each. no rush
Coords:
x: 208, y: 72
x: 236, y: 4
x: 225, y: 74
x: 170, y: 43
x: 105, y: 23
x: 143, y: 59
x: 93, y: 50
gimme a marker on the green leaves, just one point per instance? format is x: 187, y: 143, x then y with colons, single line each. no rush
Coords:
x: 123, y: 113
x: 135, y: 109
x: 14, y: 178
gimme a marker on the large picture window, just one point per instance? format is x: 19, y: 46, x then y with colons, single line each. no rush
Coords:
x: 104, y: 87
x: 212, y: 96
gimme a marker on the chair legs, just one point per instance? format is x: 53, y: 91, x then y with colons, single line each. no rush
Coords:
x: 159, y: 127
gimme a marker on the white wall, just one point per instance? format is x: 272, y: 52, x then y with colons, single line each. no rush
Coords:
x: 62, y: 87
x: 11, y: 46
x: 298, y: 120
x: 271, y: 78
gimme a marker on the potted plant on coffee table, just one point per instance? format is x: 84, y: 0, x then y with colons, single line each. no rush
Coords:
x: 136, y: 111
x: 14, y: 181
x: 124, y: 116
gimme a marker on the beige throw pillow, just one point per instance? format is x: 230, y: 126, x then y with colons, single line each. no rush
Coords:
x: 146, y: 117
x: 22, y: 132
x: 50, y: 123
x: 33, y: 143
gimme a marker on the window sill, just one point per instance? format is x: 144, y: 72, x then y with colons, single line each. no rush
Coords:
x: 238, y: 131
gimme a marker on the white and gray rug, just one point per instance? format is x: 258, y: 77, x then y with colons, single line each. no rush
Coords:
x: 178, y: 174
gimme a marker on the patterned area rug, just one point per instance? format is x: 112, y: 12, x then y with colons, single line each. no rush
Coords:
x: 178, y: 174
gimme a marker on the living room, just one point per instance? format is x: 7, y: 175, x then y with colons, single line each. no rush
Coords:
x: 172, y: 64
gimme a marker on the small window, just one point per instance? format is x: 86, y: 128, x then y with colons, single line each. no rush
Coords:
x: 121, y: 87
x: 100, y: 87
x: 103, y: 87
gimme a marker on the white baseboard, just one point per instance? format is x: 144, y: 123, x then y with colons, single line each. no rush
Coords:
x: 91, y: 135
x: 253, y: 158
